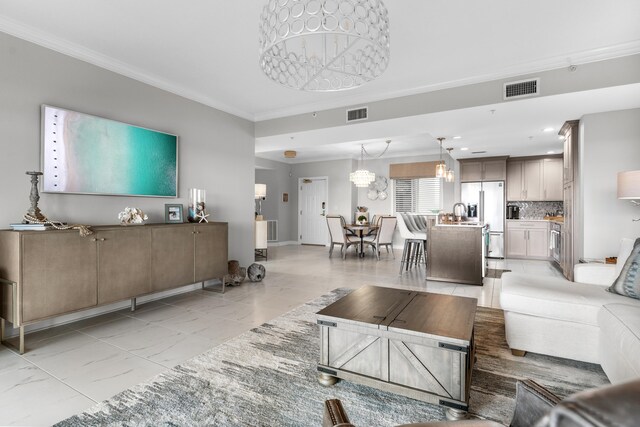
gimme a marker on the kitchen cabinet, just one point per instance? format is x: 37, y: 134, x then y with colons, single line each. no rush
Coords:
x: 524, y: 180
x: 567, y: 259
x: 552, y: 170
x: 534, y: 179
x: 572, y: 244
x: 528, y: 239
x: 488, y: 169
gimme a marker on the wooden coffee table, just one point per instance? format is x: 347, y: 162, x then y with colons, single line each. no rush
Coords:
x: 416, y: 344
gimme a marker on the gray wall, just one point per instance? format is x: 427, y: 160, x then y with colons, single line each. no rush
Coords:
x: 276, y: 176
x: 610, y: 143
x: 594, y: 75
x: 216, y: 148
x: 343, y: 195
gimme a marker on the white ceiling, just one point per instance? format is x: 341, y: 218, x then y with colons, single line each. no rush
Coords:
x: 207, y: 50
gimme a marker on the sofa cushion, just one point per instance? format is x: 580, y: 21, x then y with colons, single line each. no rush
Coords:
x: 628, y: 282
x: 620, y: 331
x: 556, y: 298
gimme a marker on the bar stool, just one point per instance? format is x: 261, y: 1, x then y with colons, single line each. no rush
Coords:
x: 415, y: 242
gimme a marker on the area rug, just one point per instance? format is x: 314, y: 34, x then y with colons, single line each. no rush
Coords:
x: 495, y: 273
x: 267, y: 377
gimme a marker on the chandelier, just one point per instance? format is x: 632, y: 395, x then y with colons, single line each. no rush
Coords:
x: 362, y: 177
x: 324, y: 46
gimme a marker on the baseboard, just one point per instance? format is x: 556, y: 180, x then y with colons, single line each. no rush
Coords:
x: 283, y: 243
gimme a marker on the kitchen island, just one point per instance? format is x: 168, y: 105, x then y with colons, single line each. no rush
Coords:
x: 456, y: 252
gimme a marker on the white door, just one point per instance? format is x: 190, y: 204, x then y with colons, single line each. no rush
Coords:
x: 313, y: 208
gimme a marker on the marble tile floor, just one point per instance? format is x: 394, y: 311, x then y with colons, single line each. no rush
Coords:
x: 69, y: 368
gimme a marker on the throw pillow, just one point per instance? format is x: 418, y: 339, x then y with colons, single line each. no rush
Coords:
x: 628, y: 282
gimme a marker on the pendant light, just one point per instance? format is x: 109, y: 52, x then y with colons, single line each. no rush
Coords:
x: 362, y: 177
x: 450, y: 175
x: 441, y: 168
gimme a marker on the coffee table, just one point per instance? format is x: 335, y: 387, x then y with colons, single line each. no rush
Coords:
x: 416, y: 344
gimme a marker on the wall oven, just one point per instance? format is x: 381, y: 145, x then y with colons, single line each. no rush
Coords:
x: 555, y: 242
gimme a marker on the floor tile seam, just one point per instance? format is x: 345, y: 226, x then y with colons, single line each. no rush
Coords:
x: 129, y: 352
x: 55, y: 377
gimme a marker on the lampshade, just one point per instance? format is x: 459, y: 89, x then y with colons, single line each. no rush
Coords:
x: 629, y: 185
x: 261, y: 191
x: 441, y: 170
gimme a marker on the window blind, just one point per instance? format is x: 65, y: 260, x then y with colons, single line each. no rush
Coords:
x: 420, y: 195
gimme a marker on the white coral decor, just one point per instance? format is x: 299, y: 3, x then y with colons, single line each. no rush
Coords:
x: 132, y: 216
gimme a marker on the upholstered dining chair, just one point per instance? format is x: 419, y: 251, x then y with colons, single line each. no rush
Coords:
x: 339, y: 235
x: 384, y: 236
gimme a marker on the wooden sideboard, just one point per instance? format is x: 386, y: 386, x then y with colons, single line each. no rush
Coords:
x: 59, y: 272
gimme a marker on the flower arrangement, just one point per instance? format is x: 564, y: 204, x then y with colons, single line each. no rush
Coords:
x: 132, y: 216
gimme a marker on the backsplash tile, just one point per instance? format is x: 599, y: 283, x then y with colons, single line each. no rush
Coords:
x: 537, y: 210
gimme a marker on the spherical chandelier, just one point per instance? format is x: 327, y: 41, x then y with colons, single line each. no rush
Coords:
x: 324, y: 45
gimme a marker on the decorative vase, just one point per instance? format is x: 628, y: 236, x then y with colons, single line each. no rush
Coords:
x: 197, y: 202
x: 256, y: 272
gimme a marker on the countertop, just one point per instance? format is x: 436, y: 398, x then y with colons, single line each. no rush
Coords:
x: 461, y: 224
x: 557, y: 221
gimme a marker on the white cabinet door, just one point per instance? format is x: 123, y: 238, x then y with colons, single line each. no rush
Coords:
x: 514, y: 181
x: 533, y: 180
x: 552, y: 179
x: 516, y: 243
x: 470, y: 171
x: 538, y: 243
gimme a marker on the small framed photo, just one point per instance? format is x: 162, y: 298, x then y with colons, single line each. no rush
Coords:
x: 173, y: 213
x: 285, y: 197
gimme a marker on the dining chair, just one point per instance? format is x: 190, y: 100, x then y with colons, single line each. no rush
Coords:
x: 415, y: 243
x: 384, y: 237
x: 339, y: 236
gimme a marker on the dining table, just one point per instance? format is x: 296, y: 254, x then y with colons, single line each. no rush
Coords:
x: 361, y: 230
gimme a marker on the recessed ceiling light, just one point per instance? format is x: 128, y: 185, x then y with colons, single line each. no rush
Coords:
x: 464, y: 149
x: 457, y: 137
x: 550, y: 152
x: 547, y: 130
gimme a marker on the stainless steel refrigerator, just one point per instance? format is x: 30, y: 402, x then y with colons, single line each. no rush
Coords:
x: 488, y: 197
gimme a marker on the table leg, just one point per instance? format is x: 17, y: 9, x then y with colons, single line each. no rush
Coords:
x: 455, y: 414
x: 361, y: 244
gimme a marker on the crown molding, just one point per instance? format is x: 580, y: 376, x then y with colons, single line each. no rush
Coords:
x: 82, y: 53
x: 546, y: 64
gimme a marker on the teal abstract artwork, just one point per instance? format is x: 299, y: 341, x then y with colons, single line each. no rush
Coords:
x: 92, y: 155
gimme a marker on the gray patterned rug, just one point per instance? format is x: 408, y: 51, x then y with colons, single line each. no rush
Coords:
x: 267, y: 377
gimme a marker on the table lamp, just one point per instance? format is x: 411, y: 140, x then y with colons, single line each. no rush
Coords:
x: 629, y: 187
x: 260, y: 195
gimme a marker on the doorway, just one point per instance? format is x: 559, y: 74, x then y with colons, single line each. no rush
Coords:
x: 312, y: 210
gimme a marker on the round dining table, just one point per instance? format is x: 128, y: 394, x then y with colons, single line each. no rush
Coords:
x: 361, y: 230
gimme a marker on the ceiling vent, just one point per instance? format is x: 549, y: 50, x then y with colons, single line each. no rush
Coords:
x: 478, y: 152
x: 521, y: 89
x: 357, y: 114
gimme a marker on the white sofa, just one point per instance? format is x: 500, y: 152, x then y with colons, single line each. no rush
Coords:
x: 576, y: 320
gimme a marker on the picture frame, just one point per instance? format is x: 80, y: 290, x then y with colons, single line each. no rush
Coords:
x: 173, y: 214
x: 285, y: 197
